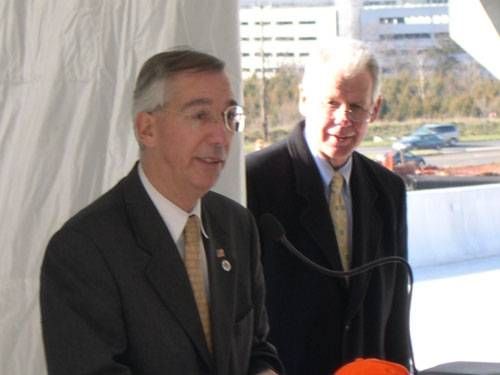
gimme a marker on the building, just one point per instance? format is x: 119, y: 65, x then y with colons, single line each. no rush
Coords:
x: 281, y: 32
x: 403, y: 32
x: 272, y: 36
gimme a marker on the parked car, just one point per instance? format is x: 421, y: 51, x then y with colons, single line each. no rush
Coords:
x: 449, y: 132
x: 400, y: 157
x: 419, y: 139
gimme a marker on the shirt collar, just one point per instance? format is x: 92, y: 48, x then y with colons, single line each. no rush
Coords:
x: 174, y: 217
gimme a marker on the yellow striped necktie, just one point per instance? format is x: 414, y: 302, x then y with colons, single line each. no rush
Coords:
x: 193, y: 264
x: 338, y: 213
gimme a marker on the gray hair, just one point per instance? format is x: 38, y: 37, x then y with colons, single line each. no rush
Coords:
x: 349, y: 55
x: 151, y: 86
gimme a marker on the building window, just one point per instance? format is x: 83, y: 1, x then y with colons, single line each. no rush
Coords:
x: 404, y: 36
x: 441, y: 19
x: 379, y: 2
x: 391, y: 20
x: 266, y: 70
x: 419, y: 20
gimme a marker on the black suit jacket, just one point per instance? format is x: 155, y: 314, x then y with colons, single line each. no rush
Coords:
x: 319, y: 323
x: 116, y: 299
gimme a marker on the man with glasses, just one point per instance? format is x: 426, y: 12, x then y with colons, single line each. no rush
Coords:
x: 341, y: 210
x: 160, y: 275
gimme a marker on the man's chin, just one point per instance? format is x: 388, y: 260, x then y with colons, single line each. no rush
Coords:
x: 207, y: 181
x: 339, y: 147
x: 337, y: 155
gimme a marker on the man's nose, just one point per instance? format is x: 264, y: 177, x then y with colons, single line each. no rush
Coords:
x: 340, y: 115
x: 219, y: 133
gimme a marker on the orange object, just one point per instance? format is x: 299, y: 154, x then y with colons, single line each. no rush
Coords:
x: 389, y: 160
x: 372, y: 366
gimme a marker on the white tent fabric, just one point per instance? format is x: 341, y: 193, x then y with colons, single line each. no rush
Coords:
x: 67, y: 72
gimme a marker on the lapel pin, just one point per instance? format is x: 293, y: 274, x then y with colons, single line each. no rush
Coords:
x: 220, y: 253
x: 226, y: 266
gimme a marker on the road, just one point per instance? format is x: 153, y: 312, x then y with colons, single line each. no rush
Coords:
x: 470, y: 153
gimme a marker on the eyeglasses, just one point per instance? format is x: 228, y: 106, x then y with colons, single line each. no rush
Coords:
x: 353, y: 112
x: 233, y: 116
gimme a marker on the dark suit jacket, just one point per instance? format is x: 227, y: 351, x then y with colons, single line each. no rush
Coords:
x: 317, y: 322
x: 116, y: 299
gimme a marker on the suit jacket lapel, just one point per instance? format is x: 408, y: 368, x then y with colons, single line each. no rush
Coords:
x: 222, y: 286
x: 314, y: 208
x: 367, y: 220
x: 166, y: 270
x: 367, y: 230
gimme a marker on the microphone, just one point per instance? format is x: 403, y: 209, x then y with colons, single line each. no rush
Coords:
x: 272, y: 229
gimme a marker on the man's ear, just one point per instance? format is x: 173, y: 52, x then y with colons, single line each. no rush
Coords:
x: 144, y: 127
x: 376, y: 108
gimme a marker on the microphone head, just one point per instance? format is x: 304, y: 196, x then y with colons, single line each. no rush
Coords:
x: 271, y: 228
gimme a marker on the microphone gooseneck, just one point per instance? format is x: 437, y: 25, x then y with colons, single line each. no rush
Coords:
x: 271, y: 229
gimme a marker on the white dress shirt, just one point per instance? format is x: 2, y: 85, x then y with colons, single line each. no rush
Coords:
x: 326, y: 172
x: 175, y: 218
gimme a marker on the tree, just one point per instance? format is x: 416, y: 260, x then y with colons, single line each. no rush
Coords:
x: 282, y: 96
x: 446, y: 88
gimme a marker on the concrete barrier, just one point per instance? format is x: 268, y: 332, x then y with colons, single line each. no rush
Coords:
x: 453, y: 224
x: 438, y: 182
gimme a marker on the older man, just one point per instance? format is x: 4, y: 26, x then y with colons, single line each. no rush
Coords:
x: 159, y: 275
x: 341, y: 210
